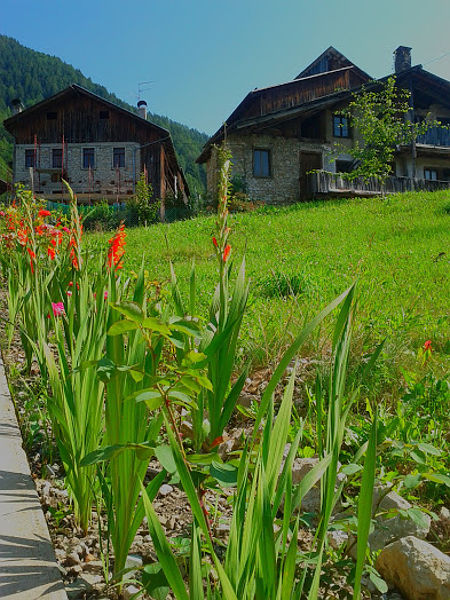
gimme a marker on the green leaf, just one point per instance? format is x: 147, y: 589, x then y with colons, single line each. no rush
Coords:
x: 120, y: 327
x: 379, y: 583
x: 155, y: 324
x: 351, y: 469
x: 131, y: 310
x: 429, y: 449
x: 224, y: 473
x: 437, y: 478
x: 155, y: 581
x: 165, y: 456
x: 411, y: 481
x: 418, y: 517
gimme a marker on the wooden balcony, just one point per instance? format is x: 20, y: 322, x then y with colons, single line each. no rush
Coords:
x: 436, y: 136
x: 322, y: 183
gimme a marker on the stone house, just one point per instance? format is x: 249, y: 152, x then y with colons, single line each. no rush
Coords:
x: 283, y: 138
x: 98, y: 147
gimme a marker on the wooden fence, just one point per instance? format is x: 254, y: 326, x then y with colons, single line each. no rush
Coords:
x: 324, y: 183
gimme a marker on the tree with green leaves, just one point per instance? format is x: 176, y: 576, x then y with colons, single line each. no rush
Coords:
x: 383, y: 120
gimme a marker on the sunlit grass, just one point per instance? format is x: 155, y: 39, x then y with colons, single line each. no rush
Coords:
x: 397, y: 247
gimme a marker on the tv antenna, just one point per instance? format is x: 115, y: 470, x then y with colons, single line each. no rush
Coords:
x: 143, y: 86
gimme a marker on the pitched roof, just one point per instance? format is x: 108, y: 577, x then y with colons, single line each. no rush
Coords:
x: 78, y: 89
x: 330, y: 60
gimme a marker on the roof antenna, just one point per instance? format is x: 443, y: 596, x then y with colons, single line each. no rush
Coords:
x: 143, y: 86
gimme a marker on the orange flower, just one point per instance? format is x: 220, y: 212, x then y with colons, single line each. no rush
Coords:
x: 22, y: 236
x: 51, y: 252
x: 427, y: 346
x: 117, y: 248
x: 226, y: 253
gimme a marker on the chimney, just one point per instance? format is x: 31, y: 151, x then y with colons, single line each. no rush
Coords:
x: 142, y: 109
x: 17, y: 105
x: 402, y: 58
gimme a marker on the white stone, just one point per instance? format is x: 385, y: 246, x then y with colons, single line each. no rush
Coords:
x: 165, y: 489
x: 416, y: 568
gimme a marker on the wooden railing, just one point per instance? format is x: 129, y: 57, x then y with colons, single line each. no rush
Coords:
x: 436, y: 136
x: 321, y: 183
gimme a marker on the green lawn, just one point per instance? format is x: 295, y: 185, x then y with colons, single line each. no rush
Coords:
x: 397, y: 248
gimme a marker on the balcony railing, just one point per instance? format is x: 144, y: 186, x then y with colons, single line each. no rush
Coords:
x: 323, y: 183
x: 437, y: 136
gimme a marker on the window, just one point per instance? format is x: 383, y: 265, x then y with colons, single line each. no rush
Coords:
x: 118, y: 157
x: 344, y: 166
x: 88, y: 158
x: 51, y: 116
x: 340, y: 126
x: 29, y: 158
x: 104, y: 114
x: 430, y: 174
x: 261, y: 163
x: 57, y: 158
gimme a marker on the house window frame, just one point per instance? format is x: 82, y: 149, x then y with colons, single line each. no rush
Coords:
x: 85, y: 150
x: 430, y: 170
x: 269, y: 162
x: 29, y: 154
x: 122, y: 153
x: 338, y: 129
x: 59, y: 163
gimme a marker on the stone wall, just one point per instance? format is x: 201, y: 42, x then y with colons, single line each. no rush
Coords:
x: 102, y: 180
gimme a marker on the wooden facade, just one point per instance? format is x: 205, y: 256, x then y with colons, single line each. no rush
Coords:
x: 76, y: 117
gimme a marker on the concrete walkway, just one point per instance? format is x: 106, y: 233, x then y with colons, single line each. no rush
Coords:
x: 28, y: 568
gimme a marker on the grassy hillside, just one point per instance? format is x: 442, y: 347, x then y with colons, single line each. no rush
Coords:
x: 299, y: 258
x: 33, y: 76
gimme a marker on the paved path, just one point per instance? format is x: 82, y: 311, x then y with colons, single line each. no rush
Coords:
x: 28, y: 568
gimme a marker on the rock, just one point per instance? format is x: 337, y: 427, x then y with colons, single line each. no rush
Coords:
x: 300, y: 468
x: 245, y: 400
x: 390, y: 529
x: 336, y: 538
x: 82, y: 585
x: 165, y: 489
x: 72, y: 559
x: 225, y: 448
x: 133, y: 562
x: 416, y: 568
x: 129, y: 591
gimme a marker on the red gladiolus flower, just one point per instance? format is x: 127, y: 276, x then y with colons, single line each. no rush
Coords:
x: 215, y: 242
x: 51, y: 252
x: 226, y: 253
x: 58, y: 308
x: 105, y: 294
x: 32, y: 257
x: 69, y: 293
x: 44, y: 213
x: 427, y: 345
x: 117, y: 248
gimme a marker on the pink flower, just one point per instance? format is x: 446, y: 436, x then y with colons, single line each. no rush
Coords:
x: 105, y: 294
x: 58, y: 308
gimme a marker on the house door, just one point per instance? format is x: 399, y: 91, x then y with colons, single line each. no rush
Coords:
x: 309, y: 161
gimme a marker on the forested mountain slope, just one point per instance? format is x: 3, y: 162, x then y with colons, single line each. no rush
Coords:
x: 33, y: 76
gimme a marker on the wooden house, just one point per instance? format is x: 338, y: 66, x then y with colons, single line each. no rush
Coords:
x: 100, y: 148
x: 282, y: 137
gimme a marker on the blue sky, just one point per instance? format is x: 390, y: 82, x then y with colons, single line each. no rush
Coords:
x: 203, y: 56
